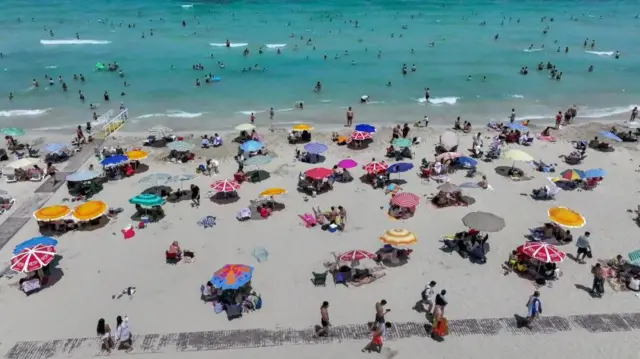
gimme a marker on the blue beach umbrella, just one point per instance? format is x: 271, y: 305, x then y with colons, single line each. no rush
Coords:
x: 114, y: 160
x: 315, y: 148
x: 147, y: 200
x: 399, y: 167
x: 47, y: 241
x: 251, y: 146
x: 466, y: 161
x: 54, y: 147
x: 611, y: 136
x: 594, y: 173
x: 363, y: 127
x: 82, y: 176
x: 180, y: 146
x: 517, y: 126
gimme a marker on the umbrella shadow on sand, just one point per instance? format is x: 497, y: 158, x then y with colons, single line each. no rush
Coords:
x: 162, y: 191
x: 225, y: 198
x: 142, y: 168
x: 55, y: 273
x: 95, y: 224
x: 504, y: 172
x: 398, y: 181
x: 258, y: 175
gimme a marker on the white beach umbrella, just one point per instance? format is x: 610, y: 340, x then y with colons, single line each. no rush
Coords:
x: 23, y: 162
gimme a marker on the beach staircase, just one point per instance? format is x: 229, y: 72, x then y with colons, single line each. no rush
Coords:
x: 111, y: 124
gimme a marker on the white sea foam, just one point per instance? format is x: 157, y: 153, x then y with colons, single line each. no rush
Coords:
x: 233, y: 44
x: 439, y: 100
x: 275, y: 46
x: 173, y: 114
x: 15, y: 113
x: 605, y: 111
x: 51, y: 67
x: 532, y: 50
x: 601, y: 53
x: 248, y: 112
x: 516, y: 96
x: 284, y: 110
x: 187, y: 6
x: 325, y: 101
x: 74, y: 42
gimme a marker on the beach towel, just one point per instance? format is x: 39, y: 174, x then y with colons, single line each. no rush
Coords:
x: 308, y: 219
x: 207, y: 222
x: 546, y: 138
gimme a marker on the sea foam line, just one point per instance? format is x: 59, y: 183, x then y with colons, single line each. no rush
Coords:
x: 74, y: 42
x: 14, y: 113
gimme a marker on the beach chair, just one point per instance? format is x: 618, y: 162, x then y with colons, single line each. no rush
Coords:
x: 634, y: 258
x: 10, y: 178
x: 341, y: 278
x: 320, y: 279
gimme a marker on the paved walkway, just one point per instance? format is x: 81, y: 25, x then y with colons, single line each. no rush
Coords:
x: 257, y: 338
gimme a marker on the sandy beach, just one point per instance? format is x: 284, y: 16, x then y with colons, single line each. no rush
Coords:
x: 97, y: 264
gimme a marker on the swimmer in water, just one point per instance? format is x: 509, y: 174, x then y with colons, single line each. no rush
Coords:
x: 427, y: 94
x: 469, y: 78
x: 299, y: 105
x: 617, y: 55
x: 590, y: 68
x: 106, y: 96
x: 389, y: 84
x: 197, y: 82
x: 317, y: 87
x: 10, y: 96
x: 81, y: 95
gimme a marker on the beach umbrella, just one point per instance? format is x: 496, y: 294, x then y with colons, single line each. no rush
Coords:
x: 610, y: 135
x: 517, y: 156
x: 315, y: 148
x: 301, y: 127
x: 405, y: 200
x: 114, y: 160
x: 23, y: 162
x: 136, y: 155
x: 398, y: 237
x: 467, y: 162
x: 449, y: 188
x: 32, y: 259
x: 594, y: 173
x: 318, y: 173
x: 572, y: 174
x: 155, y: 179
x: 147, y: 200
x: 51, y: 213
x: 225, y: 186
x: 484, y: 222
x: 180, y: 146
x: 181, y: 178
x: 360, y: 136
x: 245, y: 127
x: 566, y: 217
x: 543, y: 252
x: 517, y: 127
x: 399, y: 167
x: 81, y: 176
x: 159, y: 130
x: 375, y: 167
x: 447, y: 156
x: 448, y: 140
x: 251, y: 146
x: 257, y: 160
x: 89, y: 210
x: 363, y: 127
x: 269, y: 192
x: 347, y: 163
x: 12, y: 131
x: 232, y: 276
x: 30, y: 243
x: 401, y: 142
x: 356, y: 255
x: 157, y: 190
x: 54, y: 147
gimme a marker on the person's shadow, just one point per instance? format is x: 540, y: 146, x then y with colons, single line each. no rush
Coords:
x: 521, y: 322
x: 586, y: 289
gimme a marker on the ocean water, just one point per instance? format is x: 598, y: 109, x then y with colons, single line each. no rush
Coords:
x: 388, y: 34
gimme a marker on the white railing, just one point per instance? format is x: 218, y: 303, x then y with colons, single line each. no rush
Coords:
x: 114, y: 124
x: 104, y: 118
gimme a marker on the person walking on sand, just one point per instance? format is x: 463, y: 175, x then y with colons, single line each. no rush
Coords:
x: 634, y: 114
x: 271, y: 113
x: 558, y: 120
x: 597, y: 289
x: 534, y: 308
x: 349, y: 116
x: 252, y: 118
x: 584, y: 248
x: 380, y: 312
x: 195, y: 196
x: 123, y: 335
x: 324, y: 320
x: 51, y: 172
x: 428, y: 295
x: 378, y: 333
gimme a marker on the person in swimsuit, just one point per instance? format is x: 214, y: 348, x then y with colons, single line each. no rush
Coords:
x: 380, y: 312
x: 324, y: 320
x: 349, y: 116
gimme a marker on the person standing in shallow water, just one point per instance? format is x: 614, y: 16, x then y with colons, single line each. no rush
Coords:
x: 349, y: 116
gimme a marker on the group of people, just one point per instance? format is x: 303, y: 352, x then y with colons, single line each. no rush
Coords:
x: 337, y: 216
x: 122, y: 340
x: 211, y: 141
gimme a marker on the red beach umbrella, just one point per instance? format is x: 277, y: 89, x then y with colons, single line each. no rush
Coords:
x: 375, y: 167
x: 405, y: 200
x: 356, y: 255
x: 318, y: 173
x: 360, y: 136
x: 32, y: 259
x: 225, y: 186
x: 543, y: 252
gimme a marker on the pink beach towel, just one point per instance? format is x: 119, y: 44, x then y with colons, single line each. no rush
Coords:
x: 546, y: 138
x: 308, y: 219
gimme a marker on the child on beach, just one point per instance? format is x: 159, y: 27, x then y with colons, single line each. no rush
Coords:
x: 377, y: 336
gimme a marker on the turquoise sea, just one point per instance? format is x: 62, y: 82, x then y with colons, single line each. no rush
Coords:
x: 359, y: 31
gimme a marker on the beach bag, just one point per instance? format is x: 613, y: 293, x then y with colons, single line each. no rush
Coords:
x: 441, y: 328
x: 259, y: 303
x: 589, y: 254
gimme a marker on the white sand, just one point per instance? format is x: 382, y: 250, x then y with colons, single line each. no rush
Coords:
x: 99, y: 263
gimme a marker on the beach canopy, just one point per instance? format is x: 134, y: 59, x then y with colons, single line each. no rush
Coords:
x: 399, y: 167
x: 401, y: 142
x: 114, y: 160
x: 54, y: 147
x: 32, y: 259
x: 484, y: 222
x: 518, y: 155
x: 566, y: 217
x: 147, y: 200
x: 572, y: 174
x: 315, y: 148
x: 517, y: 127
x: 594, y: 173
x: 257, y: 160
x: 467, y: 162
x: 449, y: 188
x: 405, y: 200
x: 375, y: 167
x: 155, y: 179
x: 180, y: 146
x: 272, y: 192
x: 398, y: 237
x: 136, y: 155
x: 12, y: 131
x: 356, y: 255
x: 245, y: 127
x: 232, y: 276
x: 301, y: 127
x: 82, y: 176
x: 251, y: 146
x: 347, y: 163
x: 23, y: 162
x: 318, y: 173
x: 225, y: 186
x: 363, y: 127
x: 542, y: 251
x: 30, y: 243
x: 89, y: 210
x: 610, y: 135
x: 51, y: 213
x: 360, y: 136
x: 159, y: 130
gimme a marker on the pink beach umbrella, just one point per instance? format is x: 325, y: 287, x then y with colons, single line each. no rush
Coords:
x: 360, y: 136
x: 448, y: 156
x: 347, y: 163
x: 356, y: 255
x: 225, y: 186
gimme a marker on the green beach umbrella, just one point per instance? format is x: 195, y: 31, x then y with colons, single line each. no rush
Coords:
x: 147, y: 200
x: 13, y: 131
x: 401, y: 142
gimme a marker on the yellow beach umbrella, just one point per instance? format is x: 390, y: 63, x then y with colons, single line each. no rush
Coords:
x: 272, y: 192
x: 566, y: 217
x: 245, y: 127
x: 518, y: 155
x: 137, y: 155
x: 52, y: 213
x: 89, y: 210
x: 301, y: 127
x: 398, y: 237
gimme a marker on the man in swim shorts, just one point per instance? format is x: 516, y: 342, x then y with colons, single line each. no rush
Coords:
x: 349, y: 116
x: 324, y: 320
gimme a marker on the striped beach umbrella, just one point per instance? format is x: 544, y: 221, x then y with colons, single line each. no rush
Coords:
x: 360, y: 136
x: 225, y: 186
